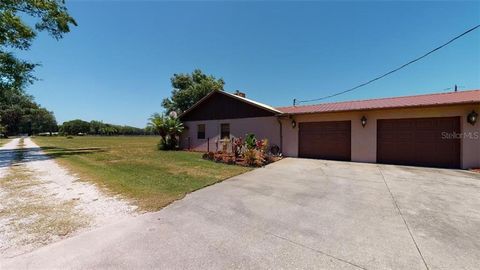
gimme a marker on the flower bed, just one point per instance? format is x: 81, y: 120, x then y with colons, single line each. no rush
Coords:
x: 249, y: 152
x: 228, y: 158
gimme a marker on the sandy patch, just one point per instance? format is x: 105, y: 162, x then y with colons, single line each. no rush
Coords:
x: 43, y: 203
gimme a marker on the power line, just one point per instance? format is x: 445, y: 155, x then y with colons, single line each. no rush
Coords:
x: 390, y: 72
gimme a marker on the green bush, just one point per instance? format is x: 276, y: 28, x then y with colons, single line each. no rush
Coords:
x: 250, y: 141
x: 162, y: 144
x: 167, y: 143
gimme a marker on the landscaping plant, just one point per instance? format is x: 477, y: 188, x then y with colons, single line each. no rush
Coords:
x: 250, y: 157
x: 225, y: 141
x: 238, y: 146
x: 249, y: 152
x: 169, y: 128
x: 262, y: 145
x: 250, y: 141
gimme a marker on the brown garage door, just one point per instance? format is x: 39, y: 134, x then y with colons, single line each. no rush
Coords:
x: 418, y: 142
x: 325, y: 140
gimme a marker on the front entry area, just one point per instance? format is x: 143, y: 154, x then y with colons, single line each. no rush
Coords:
x: 325, y: 140
x: 419, y: 142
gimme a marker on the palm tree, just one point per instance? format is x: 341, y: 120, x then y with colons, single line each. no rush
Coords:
x: 168, y: 127
x: 174, y: 129
x: 157, y: 122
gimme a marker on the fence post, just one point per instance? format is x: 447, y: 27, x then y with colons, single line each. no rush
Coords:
x: 208, y: 145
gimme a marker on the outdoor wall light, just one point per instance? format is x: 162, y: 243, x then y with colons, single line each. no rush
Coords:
x: 472, y: 118
x: 294, y: 124
x: 363, y: 121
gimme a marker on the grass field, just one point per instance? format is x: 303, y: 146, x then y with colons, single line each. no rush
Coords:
x: 134, y: 168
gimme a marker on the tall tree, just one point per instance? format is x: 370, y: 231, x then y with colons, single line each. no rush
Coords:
x: 38, y: 120
x: 75, y: 127
x: 14, y: 105
x: 18, y: 111
x: 190, y: 88
x: 51, y: 15
x: 15, y: 74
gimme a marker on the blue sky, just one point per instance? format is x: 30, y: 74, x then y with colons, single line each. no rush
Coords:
x: 116, y: 65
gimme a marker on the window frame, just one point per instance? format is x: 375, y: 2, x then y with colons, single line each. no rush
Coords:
x: 222, y: 132
x: 199, y: 132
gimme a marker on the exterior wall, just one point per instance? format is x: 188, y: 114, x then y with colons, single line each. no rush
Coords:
x: 364, y: 140
x: 262, y: 127
x: 220, y: 105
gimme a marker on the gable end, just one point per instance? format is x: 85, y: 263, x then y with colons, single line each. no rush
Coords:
x: 219, y: 106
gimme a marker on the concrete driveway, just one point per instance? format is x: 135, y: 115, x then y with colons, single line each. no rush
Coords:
x: 296, y: 213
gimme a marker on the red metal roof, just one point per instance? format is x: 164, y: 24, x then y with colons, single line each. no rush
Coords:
x: 461, y: 97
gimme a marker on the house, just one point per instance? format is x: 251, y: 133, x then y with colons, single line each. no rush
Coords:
x: 434, y: 130
x: 222, y: 115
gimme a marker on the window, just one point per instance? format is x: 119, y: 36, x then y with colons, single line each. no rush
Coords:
x: 201, y: 131
x: 224, y: 131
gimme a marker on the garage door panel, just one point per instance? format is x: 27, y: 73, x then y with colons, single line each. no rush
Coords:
x: 325, y: 140
x: 418, y: 142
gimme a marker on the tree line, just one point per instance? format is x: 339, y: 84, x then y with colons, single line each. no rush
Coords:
x: 80, y: 127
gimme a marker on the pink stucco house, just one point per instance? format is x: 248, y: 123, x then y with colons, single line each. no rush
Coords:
x: 435, y: 130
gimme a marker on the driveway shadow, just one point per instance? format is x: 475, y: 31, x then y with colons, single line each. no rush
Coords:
x: 23, y: 155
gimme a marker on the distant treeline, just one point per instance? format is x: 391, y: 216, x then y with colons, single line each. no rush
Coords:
x: 80, y: 127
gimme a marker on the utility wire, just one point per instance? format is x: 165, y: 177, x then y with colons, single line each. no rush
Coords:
x: 295, y: 102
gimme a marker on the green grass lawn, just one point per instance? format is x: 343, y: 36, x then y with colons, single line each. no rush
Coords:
x: 133, y: 167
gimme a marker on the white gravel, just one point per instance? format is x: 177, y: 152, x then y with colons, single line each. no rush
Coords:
x: 66, y: 186
x: 53, y: 185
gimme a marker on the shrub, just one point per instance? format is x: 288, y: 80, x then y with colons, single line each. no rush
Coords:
x: 262, y: 145
x: 167, y: 143
x: 249, y: 152
x: 250, y: 141
x: 218, y: 157
x: 229, y: 160
x: 250, y: 156
x: 237, y: 146
x: 269, y: 159
x: 259, y: 158
x: 162, y: 144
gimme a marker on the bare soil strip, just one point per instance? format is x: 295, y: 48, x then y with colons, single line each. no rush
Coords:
x: 42, y: 203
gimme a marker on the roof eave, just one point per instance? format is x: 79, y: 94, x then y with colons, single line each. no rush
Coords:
x: 383, y: 108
